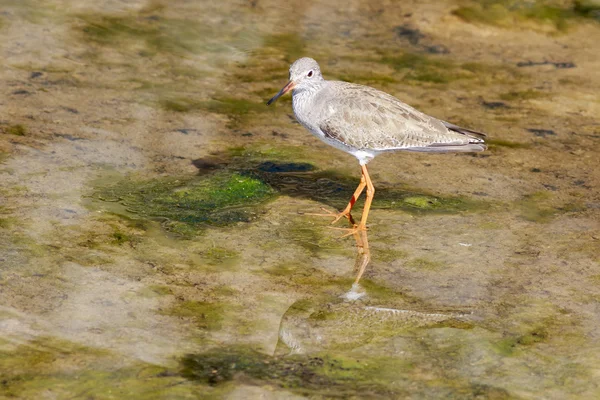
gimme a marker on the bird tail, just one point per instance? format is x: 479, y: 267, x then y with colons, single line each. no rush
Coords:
x: 450, y: 148
x: 479, y: 136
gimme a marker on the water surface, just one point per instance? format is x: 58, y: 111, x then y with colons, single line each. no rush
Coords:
x: 154, y: 238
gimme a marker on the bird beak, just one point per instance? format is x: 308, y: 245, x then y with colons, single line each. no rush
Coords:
x: 290, y: 85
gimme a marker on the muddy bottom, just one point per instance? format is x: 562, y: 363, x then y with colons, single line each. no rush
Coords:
x: 157, y: 236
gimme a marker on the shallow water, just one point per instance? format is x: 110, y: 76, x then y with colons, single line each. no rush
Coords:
x: 155, y: 239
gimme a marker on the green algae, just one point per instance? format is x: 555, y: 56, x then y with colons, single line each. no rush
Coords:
x: 522, y: 95
x: 595, y: 279
x: 180, y: 104
x: 302, y: 179
x: 233, y: 106
x: 227, y: 106
x: 536, y: 335
x: 325, y: 375
x: 366, y: 79
x: 336, y: 189
x: 588, y: 8
x: 220, y: 257
x: 535, y: 207
x: 514, y: 344
x: 206, y: 315
x: 155, y: 33
x: 290, y: 45
x: 6, y: 223
x: 239, y: 111
x: 186, y: 204
x: 260, y: 66
x: 314, y: 240
x: 495, y: 143
x: 388, y: 255
x: 422, y: 201
x: 415, y: 61
x: 508, y: 13
x: 120, y: 238
x: 161, y: 290
x: 424, y: 264
x: 17, y: 130
x: 68, y: 370
x: 436, y: 69
x: 259, y: 153
x: 296, y: 273
x: 425, y: 68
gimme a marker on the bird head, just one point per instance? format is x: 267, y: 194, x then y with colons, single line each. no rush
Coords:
x: 305, y: 73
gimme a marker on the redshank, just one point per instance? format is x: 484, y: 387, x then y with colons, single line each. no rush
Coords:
x: 365, y: 122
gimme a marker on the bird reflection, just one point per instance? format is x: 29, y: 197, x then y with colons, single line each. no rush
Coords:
x: 329, y: 322
x: 363, y: 253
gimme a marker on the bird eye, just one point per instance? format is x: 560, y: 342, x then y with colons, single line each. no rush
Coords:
x: 310, y: 74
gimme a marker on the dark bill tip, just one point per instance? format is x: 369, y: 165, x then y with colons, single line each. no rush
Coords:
x: 273, y: 99
x: 289, y: 86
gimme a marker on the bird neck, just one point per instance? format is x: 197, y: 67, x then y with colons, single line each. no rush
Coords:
x: 306, y: 91
x: 309, y: 86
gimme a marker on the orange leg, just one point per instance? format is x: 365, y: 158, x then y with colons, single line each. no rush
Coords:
x: 363, y: 255
x: 348, y: 209
x: 355, y: 196
x: 362, y: 225
x: 370, y: 194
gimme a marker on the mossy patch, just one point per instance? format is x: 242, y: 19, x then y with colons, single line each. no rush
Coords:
x: 316, y: 375
x: 238, y: 110
x: 29, y: 369
x: 40, y: 354
x: 161, y: 290
x: 186, y: 204
x: 335, y: 189
x: 420, y: 67
x: 261, y: 153
x: 220, y: 256
x: 507, y: 13
x: 207, y: 315
x: 389, y: 255
x: 509, y: 345
x: 425, y: 264
x: 299, y: 274
x: 6, y: 223
x: 150, y: 34
x: 422, y: 201
x: 120, y: 238
x: 314, y: 240
x: 588, y: 8
x: 290, y: 45
x: 494, y: 143
x: 365, y: 79
x: 236, y: 193
x: 537, y: 335
x: 17, y: 130
x: 227, y: 106
x: 522, y: 95
x: 535, y: 207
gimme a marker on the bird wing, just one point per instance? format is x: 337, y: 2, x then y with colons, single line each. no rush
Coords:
x: 366, y: 118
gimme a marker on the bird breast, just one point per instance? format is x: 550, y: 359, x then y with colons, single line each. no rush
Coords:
x: 309, y: 111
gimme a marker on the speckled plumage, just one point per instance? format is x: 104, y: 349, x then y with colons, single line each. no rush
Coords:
x: 364, y: 121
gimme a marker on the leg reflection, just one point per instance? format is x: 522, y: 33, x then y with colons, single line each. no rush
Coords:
x: 363, y: 255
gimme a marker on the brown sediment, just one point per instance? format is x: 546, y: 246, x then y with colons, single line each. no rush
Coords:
x: 151, y: 205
